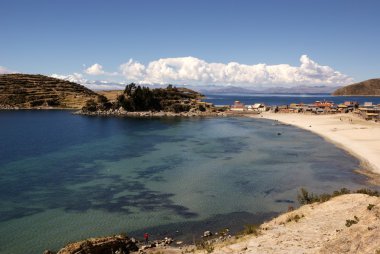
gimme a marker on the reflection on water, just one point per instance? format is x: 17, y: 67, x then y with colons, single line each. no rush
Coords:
x: 66, y: 177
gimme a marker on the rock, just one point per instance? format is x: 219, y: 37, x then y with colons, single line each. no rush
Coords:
x: 168, y: 240
x: 48, y: 252
x: 207, y: 233
x: 101, y: 245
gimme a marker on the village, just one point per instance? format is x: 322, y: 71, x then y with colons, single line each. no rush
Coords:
x: 368, y: 110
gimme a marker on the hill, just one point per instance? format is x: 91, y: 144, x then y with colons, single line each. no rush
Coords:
x: 39, y: 91
x: 156, y: 101
x: 369, y: 87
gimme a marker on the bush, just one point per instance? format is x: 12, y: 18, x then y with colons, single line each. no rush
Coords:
x: 305, y: 198
x: 368, y: 192
x: 91, y: 106
x: 251, y: 229
x: 178, y: 108
x: 349, y: 223
x: 370, y: 206
x: 295, y: 218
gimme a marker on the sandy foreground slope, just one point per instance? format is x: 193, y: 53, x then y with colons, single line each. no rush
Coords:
x: 321, y: 229
x: 359, y: 137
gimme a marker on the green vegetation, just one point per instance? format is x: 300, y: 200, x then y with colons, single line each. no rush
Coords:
x: 370, y: 206
x: 137, y: 98
x: 304, y: 197
x: 140, y: 98
x: 349, y: 223
x: 295, y: 218
x: 251, y: 229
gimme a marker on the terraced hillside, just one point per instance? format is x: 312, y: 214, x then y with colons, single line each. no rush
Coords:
x: 369, y: 87
x: 38, y: 91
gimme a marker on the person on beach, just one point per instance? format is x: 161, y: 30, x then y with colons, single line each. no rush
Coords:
x: 146, y: 237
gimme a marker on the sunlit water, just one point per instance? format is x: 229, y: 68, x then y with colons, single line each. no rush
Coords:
x: 65, y: 177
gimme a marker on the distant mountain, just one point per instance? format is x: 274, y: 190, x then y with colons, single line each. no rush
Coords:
x: 369, y: 87
x: 274, y: 90
x: 38, y: 91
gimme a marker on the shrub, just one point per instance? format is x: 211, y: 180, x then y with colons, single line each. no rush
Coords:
x: 295, y: 218
x: 251, y: 229
x: 368, y: 192
x: 370, y: 206
x: 305, y: 198
x: 349, y: 223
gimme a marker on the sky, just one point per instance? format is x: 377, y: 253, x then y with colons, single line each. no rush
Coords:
x: 243, y: 43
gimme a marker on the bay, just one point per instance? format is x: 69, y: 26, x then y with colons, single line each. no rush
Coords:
x: 65, y: 177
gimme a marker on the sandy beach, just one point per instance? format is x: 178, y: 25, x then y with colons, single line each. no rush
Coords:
x: 358, y: 137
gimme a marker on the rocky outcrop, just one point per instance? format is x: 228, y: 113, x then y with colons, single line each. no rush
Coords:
x: 369, y: 87
x: 146, y: 114
x: 38, y: 91
x: 113, y: 244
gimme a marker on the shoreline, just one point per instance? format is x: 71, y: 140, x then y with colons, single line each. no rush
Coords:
x: 354, y: 135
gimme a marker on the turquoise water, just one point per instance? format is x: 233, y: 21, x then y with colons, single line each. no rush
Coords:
x: 65, y: 177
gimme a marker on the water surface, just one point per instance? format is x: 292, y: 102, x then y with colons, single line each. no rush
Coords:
x: 65, y: 177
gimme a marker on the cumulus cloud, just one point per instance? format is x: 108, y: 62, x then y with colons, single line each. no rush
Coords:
x: 195, y: 71
x: 4, y: 70
x: 94, y: 85
x: 133, y: 70
x: 95, y: 69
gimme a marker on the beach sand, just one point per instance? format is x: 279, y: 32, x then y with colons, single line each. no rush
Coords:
x: 358, y: 137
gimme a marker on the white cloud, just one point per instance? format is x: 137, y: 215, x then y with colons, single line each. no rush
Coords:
x: 95, y: 69
x: 133, y: 70
x: 94, y: 85
x: 76, y: 78
x: 4, y: 70
x: 195, y: 71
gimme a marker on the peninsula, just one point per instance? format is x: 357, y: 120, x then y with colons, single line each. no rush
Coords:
x: 142, y: 101
x: 370, y: 87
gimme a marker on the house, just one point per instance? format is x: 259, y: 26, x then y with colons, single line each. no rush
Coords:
x: 259, y: 107
x: 323, y: 104
x: 370, y: 113
x: 238, y: 106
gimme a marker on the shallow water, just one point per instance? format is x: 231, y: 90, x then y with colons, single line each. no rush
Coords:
x: 65, y: 177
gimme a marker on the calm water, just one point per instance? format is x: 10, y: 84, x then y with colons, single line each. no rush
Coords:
x: 285, y: 99
x: 65, y: 177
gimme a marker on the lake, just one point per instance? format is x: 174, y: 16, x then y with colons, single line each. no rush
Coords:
x: 66, y: 177
x: 285, y: 99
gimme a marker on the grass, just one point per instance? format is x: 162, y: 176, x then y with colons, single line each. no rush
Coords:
x: 304, y: 197
x: 294, y: 217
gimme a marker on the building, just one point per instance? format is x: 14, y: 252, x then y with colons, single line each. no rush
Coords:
x: 238, y: 106
x: 370, y: 113
x: 259, y: 107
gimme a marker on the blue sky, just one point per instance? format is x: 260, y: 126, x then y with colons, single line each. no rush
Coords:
x: 66, y: 37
